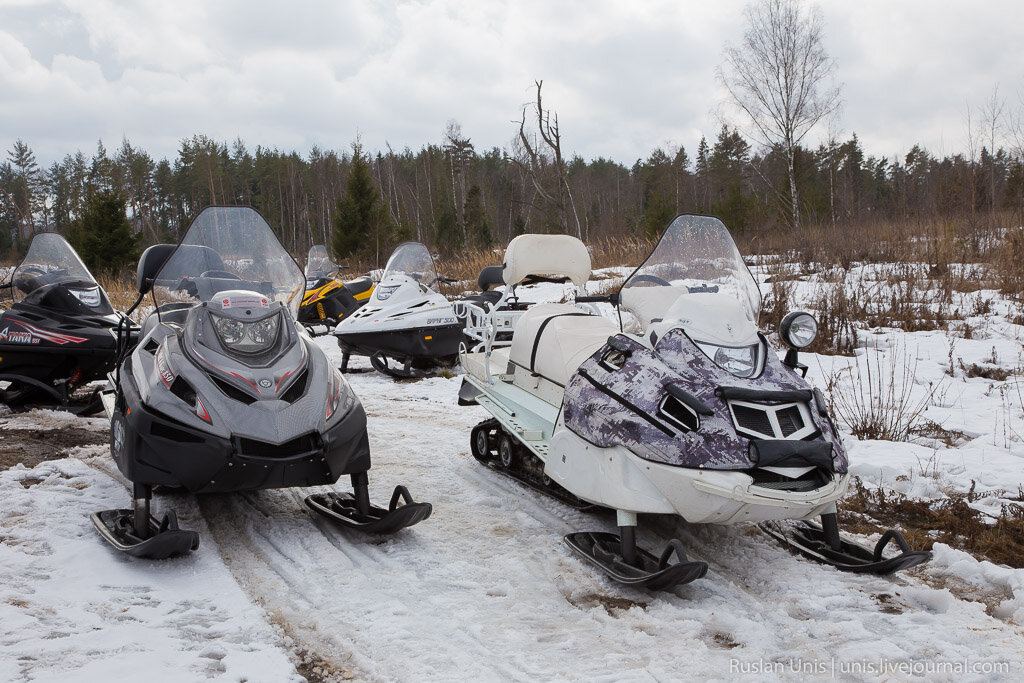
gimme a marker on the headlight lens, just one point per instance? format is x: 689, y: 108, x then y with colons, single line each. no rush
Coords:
x: 384, y: 293
x: 245, y: 337
x: 89, y: 297
x: 798, y: 329
x: 741, y: 361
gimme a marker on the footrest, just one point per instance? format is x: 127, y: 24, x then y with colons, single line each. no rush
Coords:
x: 117, y: 527
x: 604, y: 550
x: 342, y: 508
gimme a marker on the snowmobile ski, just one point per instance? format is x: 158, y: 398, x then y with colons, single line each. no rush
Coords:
x: 823, y: 543
x: 345, y: 509
x: 165, y: 539
x: 605, y: 551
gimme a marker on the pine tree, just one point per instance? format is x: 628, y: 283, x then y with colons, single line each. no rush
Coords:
x: 362, y: 227
x: 104, y: 237
x: 477, y: 227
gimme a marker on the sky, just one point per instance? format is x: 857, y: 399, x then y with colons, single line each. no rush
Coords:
x: 624, y: 78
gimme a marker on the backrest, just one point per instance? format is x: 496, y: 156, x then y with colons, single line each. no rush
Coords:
x: 546, y: 255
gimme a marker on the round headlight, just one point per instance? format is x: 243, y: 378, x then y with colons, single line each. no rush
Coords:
x: 741, y: 361
x: 798, y: 329
x: 264, y: 332
x: 230, y: 331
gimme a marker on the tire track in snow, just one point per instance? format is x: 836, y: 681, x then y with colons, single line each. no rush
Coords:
x: 486, y: 589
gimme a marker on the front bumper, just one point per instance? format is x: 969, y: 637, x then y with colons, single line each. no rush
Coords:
x: 151, y: 448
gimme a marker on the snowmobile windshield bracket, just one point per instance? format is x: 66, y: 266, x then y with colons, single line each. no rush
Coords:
x: 688, y: 399
x: 744, y: 394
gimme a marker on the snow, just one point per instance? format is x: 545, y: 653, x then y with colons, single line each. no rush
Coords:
x: 485, y: 589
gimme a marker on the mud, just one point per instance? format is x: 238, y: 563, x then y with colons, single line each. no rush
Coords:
x: 33, y: 446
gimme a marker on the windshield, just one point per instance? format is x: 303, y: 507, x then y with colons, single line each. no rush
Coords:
x: 319, y: 263
x: 696, y: 254
x: 50, y: 259
x: 412, y: 259
x: 229, y: 248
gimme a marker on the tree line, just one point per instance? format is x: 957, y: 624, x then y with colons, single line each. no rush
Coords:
x: 454, y: 197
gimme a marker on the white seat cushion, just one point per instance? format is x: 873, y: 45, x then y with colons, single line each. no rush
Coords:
x: 567, y: 337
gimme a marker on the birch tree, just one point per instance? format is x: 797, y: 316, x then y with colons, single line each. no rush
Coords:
x: 778, y: 76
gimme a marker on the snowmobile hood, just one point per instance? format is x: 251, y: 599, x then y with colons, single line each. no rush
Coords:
x: 674, y: 405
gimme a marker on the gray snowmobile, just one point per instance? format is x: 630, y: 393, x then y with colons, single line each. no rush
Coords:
x: 225, y: 391
x: 678, y: 407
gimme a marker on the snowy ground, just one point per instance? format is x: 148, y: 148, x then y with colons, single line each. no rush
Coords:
x: 485, y: 589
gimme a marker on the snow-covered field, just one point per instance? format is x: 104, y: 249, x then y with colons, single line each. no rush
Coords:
x: 485, y: 589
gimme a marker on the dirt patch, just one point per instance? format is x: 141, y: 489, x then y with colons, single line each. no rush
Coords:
x: 611, y: 604
x: 723, y: 641
x: 33, y: 446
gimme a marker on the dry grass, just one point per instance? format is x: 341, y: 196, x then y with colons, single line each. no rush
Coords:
x: 949, y: 520
x: 879, y: 401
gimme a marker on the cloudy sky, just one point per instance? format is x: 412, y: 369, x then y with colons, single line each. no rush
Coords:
x: 624, y: 76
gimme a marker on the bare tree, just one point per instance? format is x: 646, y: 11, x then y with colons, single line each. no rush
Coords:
x: 993, y: 111
x: 777, y: 77
x: 548, y: 154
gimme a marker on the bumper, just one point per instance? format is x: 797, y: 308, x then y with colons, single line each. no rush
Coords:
x: 150, y: 448
x: 616, y: 478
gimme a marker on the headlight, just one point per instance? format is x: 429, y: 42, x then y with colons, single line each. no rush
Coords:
x: 89, y: 297
x: 741, y: 361
x: 245, y: 337
x: 798, y: 329
x: 384, y: 293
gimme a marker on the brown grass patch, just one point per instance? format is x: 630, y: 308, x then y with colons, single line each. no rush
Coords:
x: 950, y: 520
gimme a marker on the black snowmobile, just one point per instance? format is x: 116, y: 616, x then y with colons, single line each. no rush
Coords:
x: 327, y: 301
x: 60, y: 331
x: 687, y: 413
x: 225, y: 391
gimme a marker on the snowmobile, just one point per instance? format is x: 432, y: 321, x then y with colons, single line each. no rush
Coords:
x: 327, y: 300
x: 678, y: 407
x: 60, y: 331
x: 225, y: 391
x: 407, y: 325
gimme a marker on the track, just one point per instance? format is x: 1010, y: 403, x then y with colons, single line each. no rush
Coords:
x: 485, y: 587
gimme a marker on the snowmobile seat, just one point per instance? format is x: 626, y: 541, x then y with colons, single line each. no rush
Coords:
x: 549, y: 255
x: 359, y: 285
x: 490, y: 277
x: 552, y: 340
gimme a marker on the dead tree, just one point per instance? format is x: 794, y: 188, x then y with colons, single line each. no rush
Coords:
x: 554, y: 192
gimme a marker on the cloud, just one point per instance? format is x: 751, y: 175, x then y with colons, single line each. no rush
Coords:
x: 623, y: 78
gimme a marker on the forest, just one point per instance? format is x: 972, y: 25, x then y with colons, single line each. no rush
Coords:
x: 455, y: 197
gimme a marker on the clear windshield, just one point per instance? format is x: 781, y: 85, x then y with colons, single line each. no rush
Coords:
x: 319, y: 263
x: 697, y: 254
x: 412, y: 259
x: 49, y: 259
x: 225, y: 248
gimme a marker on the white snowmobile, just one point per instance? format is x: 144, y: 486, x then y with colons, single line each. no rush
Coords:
x: 407, y: 325
x: 689, y: 413
x: 226, y: 392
